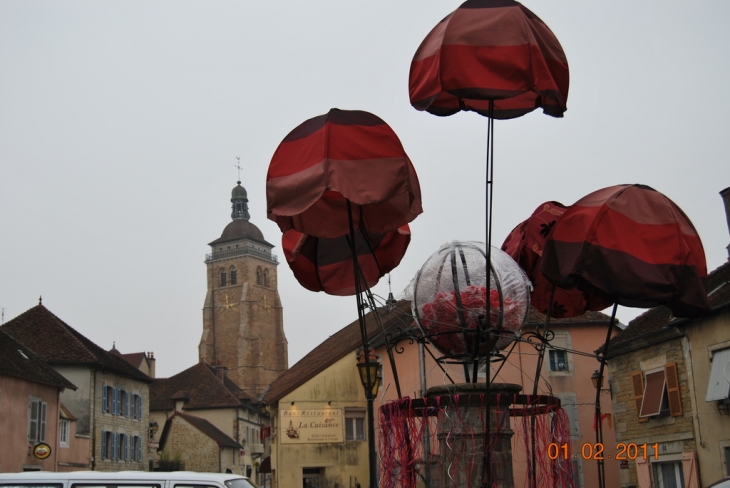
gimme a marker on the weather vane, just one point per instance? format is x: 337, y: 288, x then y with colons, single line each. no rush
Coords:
x: 238, y: 165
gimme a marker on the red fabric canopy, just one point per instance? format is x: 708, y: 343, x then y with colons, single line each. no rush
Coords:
x: 525, y: 245
x: 632, y: 245
x: 344, y: 155
x: 321, y: 264
x: 490, y: 50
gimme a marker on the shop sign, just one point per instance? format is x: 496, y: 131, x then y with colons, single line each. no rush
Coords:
x: 311, y: 426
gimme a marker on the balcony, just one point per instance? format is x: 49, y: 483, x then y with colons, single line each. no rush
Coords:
x: 257, y: 448
x: 241, y: 251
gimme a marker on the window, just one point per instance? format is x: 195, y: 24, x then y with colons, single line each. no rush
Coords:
x: 558, y: 360
x: 668, y: 475
x: 108, y: 444
x: 266, y: 277
x: 138, y: 450
x: 139, y: 407
x: 64, y: 429
x: 234, y: 279
x: 258, y: 276
x: 656, y: 392
x: 312, y: 477
x: 36, y: 420
x: 124, y: 447
x: 718, y: 388
x: 223, y: 277
x: 355, y: 424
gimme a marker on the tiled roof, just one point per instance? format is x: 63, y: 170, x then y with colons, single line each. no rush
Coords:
x: 336, y: 347
x: 535, y: 318
x: 199, y: 387
x: 658, y: 319
x: 133, y: 358
x: 58, y: 343
x: 21, y: 362
x: 66, y: 413
x: 203, y: 426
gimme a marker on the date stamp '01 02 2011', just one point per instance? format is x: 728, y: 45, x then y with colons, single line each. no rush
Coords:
x: 595, y: 451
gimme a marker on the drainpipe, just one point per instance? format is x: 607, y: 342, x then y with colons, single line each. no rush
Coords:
x: 93, y: 424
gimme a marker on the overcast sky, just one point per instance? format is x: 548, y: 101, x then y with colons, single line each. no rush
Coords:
x: 120, y: 124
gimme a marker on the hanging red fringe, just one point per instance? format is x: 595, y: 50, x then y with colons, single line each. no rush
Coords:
x: 411, y: 445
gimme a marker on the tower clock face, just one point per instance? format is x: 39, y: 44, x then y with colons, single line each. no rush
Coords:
x: 264, y: 304
x: 229, y: 307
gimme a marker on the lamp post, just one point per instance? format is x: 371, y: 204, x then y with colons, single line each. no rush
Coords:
x: 368, y: 366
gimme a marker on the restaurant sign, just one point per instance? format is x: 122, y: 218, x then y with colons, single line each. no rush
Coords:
x: 310, y: 426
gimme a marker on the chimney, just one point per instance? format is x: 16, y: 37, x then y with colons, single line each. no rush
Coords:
x: 725, y: 194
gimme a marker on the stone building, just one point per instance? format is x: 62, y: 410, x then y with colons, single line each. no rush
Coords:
x: 206, y: 448
x: 204, y: 401
x: 111, y: 403
x: 243, y: 326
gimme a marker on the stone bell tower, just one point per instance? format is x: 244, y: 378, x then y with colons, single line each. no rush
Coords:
x: 243, y: 328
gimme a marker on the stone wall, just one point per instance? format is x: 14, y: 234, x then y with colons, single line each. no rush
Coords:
x: 197, y: 450
x: 673, y: 434
x: 106, y: 421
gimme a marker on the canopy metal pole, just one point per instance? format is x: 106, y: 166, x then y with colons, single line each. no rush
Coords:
x: 599, y: 425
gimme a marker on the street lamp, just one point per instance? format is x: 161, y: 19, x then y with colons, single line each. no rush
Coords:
x: 597, y: 380
x: 368, y: 367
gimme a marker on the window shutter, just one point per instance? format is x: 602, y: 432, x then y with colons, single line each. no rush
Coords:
x: 103, y: 443
x: 119, y: 401
x: 42, y: 422
x: 32, y: 420
x: 126, y: 404
x: 133, y: 406
x: 673, y: 395
x: 139, y: 448
x: 139, y: 410
x: 643, y: 473
x: 637, y: 383
x: 689, y: 470
x: 103, y: 398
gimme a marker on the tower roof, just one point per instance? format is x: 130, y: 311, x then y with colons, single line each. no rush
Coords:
x: 241, y: 229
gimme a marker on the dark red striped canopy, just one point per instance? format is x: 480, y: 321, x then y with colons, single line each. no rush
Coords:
x: 321, y: 264
x: 341, y: 156
x: 490, y: 50
x: 525, y: 245
x: 631, y: 245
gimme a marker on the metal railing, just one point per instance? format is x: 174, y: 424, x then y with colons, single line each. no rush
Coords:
x: 240, y: 251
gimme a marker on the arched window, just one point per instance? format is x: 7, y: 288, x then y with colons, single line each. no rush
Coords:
x: 232, y: 274
x: 258, y: 276
x: 223, y: 277
x: 266, y: 277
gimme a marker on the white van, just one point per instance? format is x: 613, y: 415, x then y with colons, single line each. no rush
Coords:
x: 122, y: 479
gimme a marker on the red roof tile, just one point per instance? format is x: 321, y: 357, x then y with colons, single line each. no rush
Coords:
x: 21, y: 362
x: 58, y: 343
x: 203, y: 426
x: 199, y: 386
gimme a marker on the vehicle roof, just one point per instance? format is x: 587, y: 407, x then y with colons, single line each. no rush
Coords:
x: 120, y: 475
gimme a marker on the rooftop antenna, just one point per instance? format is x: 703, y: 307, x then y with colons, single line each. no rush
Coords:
x: 3, y: 319
x: 238, y: 165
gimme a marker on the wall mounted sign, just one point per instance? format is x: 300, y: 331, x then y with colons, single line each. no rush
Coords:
x: 42, y: 450
x: 309, y: 426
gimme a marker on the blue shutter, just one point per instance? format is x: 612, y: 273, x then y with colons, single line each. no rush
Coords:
x: 114, y: 401
x: 119, y: 401
x: 126, y: 404
x: 133, y: 406
x: 139, y: 446
x: 103, y: 398
x: 139, y: 411
x: 103, y: 442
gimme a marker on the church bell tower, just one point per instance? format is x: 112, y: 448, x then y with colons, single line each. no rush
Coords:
x: 243, y: 327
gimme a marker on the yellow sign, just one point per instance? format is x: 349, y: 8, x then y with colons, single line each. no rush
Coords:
x: 311, y: 426
x: 42, y: 450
